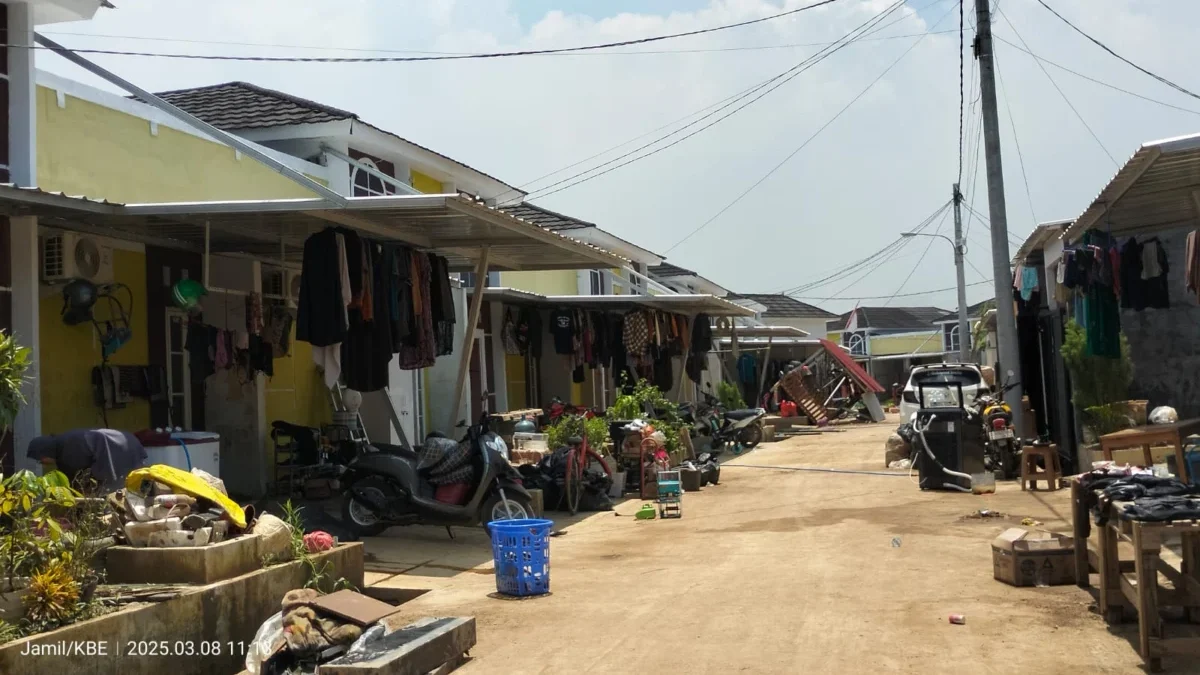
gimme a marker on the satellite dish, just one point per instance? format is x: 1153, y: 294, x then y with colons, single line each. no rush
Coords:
x: 87, y: 258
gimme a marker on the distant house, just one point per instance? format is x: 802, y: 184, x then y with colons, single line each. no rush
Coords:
x: 778, y: 309
x: 685, y: 281
x: 890, y: 339
x: 948, y: 324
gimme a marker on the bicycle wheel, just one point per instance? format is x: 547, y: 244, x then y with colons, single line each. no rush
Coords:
x: 573, y: 481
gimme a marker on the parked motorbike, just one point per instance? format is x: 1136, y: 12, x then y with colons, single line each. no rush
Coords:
x: 387, y: 485
x: 742, y: 428
x: 1002, y: 450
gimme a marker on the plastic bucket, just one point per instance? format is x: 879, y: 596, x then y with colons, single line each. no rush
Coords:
x: 521, y: 553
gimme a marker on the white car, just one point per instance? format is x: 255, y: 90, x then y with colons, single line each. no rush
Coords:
x: 939, y: 383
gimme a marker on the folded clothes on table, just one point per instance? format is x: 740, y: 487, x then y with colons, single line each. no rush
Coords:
x: 1162, y: 509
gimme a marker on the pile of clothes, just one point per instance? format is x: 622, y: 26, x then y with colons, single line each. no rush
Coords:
x: 1147, y: 497
x: 266, y: 337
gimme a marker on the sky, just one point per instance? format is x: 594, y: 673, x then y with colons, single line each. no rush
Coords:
x: 854, y: 181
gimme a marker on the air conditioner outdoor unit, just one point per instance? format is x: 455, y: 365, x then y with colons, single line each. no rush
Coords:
x: 67, y: 255
x: 293, y: 286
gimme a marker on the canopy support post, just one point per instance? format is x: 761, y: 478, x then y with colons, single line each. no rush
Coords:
x: 207, y: 246
x: 481, y: 268
x: 762, y: 377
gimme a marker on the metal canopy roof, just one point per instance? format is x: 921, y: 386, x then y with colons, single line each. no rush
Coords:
x: 1158, y: 188
x: 452, y: 225
x: 761, y: 332
x: 680, y: 304
x: 1041, y: 235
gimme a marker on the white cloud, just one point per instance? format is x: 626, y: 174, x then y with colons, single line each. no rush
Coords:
x: 878, y: 170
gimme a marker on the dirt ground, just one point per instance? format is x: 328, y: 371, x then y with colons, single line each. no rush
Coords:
x: 774, y: 571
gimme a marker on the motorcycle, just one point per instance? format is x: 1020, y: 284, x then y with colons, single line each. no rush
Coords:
x: 742, y: 428
x: 1002, y: 449
x: 388, y: 485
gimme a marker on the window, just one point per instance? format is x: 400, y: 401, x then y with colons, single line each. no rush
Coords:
x: 950, y: 341
x: 369, y: 184
x: 947, y: 377
x: 597, y: 282
x: 857, y: 343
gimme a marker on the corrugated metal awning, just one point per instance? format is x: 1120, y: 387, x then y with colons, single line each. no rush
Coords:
x: 761, y: 332
x: 452, y: 225
x: 680, y: 304
x: 1037, y: 239
x: 1158, y: 188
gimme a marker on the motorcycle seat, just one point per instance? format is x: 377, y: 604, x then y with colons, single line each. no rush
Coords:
x: 397, y: 450
x: 741, y: 414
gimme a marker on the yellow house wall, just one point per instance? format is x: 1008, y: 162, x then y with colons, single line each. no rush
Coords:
x: 88, y: 149
x: 920, y: 343
x: 550, y: 282
x: 426, y: 184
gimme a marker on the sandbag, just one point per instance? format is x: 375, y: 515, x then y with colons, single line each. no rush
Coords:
x: 275, y: 537
x: 896, y: 449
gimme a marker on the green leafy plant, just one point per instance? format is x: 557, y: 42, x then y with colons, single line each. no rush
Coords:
x: 53, y: 597
x: 729, y: 396
x: 320, y: 576
x: 30, y: 506
x: 647, y: 397
x: 567, y: 426
x: 1097, y: 382
x: 14, y: 363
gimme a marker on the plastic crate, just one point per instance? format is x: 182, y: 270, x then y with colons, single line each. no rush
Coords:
x: 521, y: 553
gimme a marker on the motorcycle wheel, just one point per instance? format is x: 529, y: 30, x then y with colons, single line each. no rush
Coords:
x: 357, y: 516
x: 751, y: 436
x: 494, y: 508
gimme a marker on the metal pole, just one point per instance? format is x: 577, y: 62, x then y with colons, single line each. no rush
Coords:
x: 464, y: 364
x: 1006, y: 323
x: 960, y: 250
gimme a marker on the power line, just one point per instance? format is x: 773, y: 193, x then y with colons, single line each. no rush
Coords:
x: 1092, y: 79
x: 921, y: 259
x: 1106, y: 48
x: 1016, y: 140
x: 962, y: 94
x: 896, y: 295
x: 449, y: 57
x: 899, y: 242
x: 803, y: 145
x: 1060, y: 92
x: 981, y: 274
x: 767, y: 87
x: 982, y: 219
x: 263, y: 45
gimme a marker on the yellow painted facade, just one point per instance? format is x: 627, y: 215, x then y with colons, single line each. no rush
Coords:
x: 549, y: 282
x: 910, y: 343
x: 426, y: 184
x: 88, y: 149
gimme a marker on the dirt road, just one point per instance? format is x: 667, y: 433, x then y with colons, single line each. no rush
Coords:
x: 778, y: 571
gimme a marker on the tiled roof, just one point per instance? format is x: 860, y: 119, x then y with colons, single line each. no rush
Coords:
x: 973, y: 311
x: 891, y: 318
x: 785, y: 306
x: 235, y: 106
x: 666, y: 270
x: 240, y: 105
x: 545, y: 217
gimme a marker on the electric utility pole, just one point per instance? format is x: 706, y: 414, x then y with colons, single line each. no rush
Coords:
x: 1006, y: 324
x: 960, y: 249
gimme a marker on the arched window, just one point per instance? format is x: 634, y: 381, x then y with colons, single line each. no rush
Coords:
x: 366, y: 183
x: 951, y: 342
x: 857, y: 342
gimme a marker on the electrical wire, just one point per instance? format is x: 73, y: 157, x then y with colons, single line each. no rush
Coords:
x: 972, y: 266
x: 1106, y: 48
x: 1012, y: 240
x: 962, y: 94
x: 913, y: 294
x: 1016, y: 140
x: 862, y: 38
x: 803, y: 145
x: 761, y: 89
x: 1092, y: 79
x: 263, y: 45
x: 1061, y: 93
x: 921, y: 259
x: 448, y: 57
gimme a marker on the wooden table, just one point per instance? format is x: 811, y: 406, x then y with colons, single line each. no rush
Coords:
x: 516, y: 415
x: 1139, y: 588
x: 1152, y: 434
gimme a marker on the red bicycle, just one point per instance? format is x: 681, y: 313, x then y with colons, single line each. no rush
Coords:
x: 579, y: 458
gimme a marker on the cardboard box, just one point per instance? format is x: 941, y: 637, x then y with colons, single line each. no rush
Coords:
x: 1024, y: 558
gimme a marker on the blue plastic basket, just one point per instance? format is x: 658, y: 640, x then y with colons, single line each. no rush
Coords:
x: 521, y: 552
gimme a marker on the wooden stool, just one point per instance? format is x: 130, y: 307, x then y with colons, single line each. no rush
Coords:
x: 1030, y: 474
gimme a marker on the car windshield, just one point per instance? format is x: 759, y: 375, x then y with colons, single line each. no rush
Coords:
x: 946, y: 378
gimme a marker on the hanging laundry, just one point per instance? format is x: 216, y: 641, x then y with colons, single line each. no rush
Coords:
x: 636, y: 333
x: 201, y: 342
x: 279, y: 330
x: 562, y: 329
x: 1156, y: 289
x: 1029, y: 282
x: 1150, y: 260
x: 533, y: 317
x: 254, y: 313
x: 1132, y: 295
x: 508, y: 334
x: 701, y: 334
x: 221, y: 359
x: 324, y: 291
x: 442, y: 301
x: 1102, y: 322
x: 1192, y: 264
x: 404, y: 319
x: 1114, y: 261
x: 422, y: 352
x: 367, y: 349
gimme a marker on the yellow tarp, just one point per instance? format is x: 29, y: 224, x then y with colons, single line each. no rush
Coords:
x: 186, y: 483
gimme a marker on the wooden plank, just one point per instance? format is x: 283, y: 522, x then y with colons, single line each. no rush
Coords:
x: 413, y: 650
x: 1149, y: 622
x: 1110, y: 574
x: 1079, y: 525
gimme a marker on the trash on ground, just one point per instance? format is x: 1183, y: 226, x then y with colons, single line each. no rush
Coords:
x: 958, y: 619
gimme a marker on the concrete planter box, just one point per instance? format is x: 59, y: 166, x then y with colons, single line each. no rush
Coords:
x: 185, y: 631
x: 187, y: 565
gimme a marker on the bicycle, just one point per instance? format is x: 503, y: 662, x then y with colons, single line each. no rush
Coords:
x: 579, y: 458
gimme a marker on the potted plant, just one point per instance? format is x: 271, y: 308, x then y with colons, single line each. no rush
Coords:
x: 14, y: 363
x: 1100, y: 385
